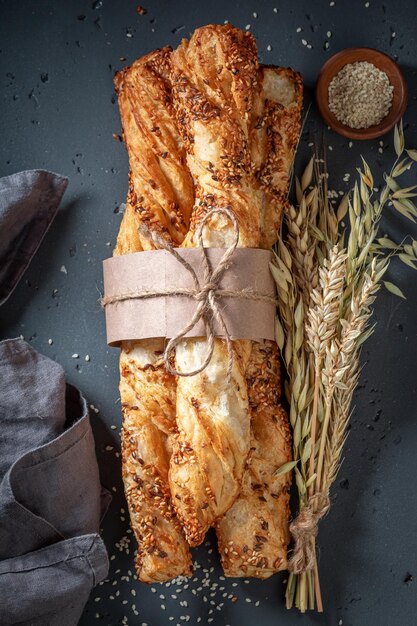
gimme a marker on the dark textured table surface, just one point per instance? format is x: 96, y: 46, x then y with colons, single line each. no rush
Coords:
x: 58, y: 111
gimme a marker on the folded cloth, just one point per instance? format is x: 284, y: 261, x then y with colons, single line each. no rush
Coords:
x: 28, y: 203
x: 51, y: 501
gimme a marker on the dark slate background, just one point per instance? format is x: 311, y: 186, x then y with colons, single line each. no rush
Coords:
x: 58, y: 111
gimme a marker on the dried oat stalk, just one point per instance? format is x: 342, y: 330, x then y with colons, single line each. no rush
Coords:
x: 328, y: 277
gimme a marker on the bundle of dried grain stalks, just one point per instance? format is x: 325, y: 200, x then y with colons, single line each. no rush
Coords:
x: 328, y: 276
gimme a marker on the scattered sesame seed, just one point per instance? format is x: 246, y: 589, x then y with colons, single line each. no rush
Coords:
x: 87, y: 357
x: 275, y: 10
x: 329, y: 34
x: 303, y: 41
x: 393, y: 34
x: 63, y: 269
x: 331, y: 4
x: 255, y: 15
x: 366, y: 6
x: 309, y: 46
x: 269, y: 47
x: 299, y: 29
x: 247, y: 26
x: 113, y: 427
x: 75, y: 356
x: 50, y: 341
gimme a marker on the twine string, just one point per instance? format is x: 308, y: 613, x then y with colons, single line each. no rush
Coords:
x: 207, y: 294
x: 208, y: 307
x: 304, y: 530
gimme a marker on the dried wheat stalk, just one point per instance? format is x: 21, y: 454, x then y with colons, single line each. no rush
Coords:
x: 327, y: 283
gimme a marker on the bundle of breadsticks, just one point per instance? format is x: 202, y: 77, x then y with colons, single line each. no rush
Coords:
x: 206, y: 126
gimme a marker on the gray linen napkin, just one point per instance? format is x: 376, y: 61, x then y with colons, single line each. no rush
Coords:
x: 28, y: 203
x: 51, y: 501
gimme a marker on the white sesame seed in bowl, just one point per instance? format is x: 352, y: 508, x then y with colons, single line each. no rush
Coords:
x: 361, y: 93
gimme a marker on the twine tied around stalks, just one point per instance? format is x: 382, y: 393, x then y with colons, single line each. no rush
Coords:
x: 304, y: 530
x: 207, y: 293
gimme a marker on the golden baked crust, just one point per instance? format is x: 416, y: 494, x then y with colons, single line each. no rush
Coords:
x: 213, y: 78
x: 276, y: 133
x: 160, y: 186
x: 214, y: 82
x: 253, y: 535
x: 147, y: 391
x: 148, y: 420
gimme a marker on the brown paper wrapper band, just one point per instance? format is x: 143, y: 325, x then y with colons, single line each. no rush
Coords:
x: 164, y: 316
x: 206, y: 292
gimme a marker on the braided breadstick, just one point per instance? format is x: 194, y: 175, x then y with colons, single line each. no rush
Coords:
x: 160, y: 187
x: 161, y: 196
x: 214, y: 78
x: 253, y: 535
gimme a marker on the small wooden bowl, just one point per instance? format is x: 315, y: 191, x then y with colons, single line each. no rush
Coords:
x: 382, y: 62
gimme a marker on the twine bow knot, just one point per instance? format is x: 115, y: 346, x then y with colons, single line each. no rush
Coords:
x: 304, y: 530
x: 206, y: 294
